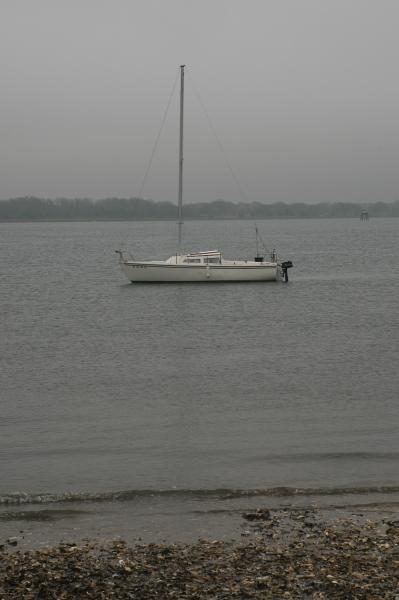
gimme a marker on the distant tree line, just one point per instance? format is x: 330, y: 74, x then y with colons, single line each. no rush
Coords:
x: 32, y: 208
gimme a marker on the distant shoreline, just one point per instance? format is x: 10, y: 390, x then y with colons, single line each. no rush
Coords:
x: 170, y: 219
x: 31, y: 208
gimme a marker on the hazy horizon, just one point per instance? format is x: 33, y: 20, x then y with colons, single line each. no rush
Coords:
x: 303, y: 97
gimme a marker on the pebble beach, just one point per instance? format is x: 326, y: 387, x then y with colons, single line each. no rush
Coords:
x: 282, y: 554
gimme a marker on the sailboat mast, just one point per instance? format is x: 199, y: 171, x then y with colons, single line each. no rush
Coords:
x: 180, y: 204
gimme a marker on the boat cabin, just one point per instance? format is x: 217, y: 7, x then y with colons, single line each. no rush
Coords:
x: 203, y: 258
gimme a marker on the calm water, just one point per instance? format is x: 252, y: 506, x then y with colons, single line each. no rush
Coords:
x: 111, y: 386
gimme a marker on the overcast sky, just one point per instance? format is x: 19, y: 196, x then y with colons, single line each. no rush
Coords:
x: 303, y: 96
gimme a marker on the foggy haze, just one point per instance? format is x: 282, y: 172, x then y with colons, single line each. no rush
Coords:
x: 303, y: 95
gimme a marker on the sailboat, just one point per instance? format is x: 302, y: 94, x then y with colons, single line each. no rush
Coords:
x: 201, y: 266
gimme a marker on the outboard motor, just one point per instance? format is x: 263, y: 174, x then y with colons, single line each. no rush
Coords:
x: 287, y: 264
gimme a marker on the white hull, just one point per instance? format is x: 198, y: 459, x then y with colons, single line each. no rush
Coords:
x: 166, y: 272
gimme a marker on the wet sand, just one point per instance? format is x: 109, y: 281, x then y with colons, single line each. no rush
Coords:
x: 304, y: 553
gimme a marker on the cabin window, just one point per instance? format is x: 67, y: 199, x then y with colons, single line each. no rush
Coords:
x: 192, y: 260
x: 212, y: 260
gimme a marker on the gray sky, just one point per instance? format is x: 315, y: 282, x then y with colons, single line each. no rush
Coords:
x: 303, y: 94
